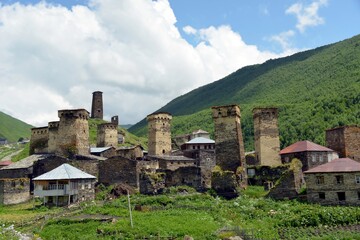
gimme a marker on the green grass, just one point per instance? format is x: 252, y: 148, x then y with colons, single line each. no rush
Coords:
x: 12, y: 129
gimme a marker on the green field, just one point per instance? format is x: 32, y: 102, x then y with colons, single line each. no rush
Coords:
x: 178, y: 214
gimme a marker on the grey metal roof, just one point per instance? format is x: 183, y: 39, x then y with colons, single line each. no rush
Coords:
x: 65, y: 171
x: 200, y: 140
x: 98, y: 149
x: 170, y: 158
x: 26, y: 162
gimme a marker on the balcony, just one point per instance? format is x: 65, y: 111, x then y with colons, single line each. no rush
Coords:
x: 54, y: 190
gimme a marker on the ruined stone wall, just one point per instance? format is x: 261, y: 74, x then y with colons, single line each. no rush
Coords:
x: 119, y: 170
x: 86, y: 190
x: 39, y: 140
x: 159, y: 134
x: 229, y: 144
x: 266, y: 133
x: 345, y: 140
x: 107, y: 135
x: 73, y: 137
x: 286, y: 187
x: 175, y: 164
x: 189, y: 176
x: 260, y: 175
x: 14, y: 191
x: 97, y: 110
x: 53, y: 136
x: 131, y: 153
x: 330, y: 188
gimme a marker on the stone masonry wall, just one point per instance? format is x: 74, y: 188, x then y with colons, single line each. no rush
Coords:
x: 159, y: 134
x: 345, y: 140
x: 308, y: 159
x: 189, y: 176
x: 53, y: 136
x: 107, y: 135
x: 97, y: 110
x: 14, y: 191
x: 39, y: 140
x: 266, y: 133
x: 207, y: 162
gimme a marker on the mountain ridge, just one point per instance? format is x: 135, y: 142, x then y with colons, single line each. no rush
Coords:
x: 12, y: 128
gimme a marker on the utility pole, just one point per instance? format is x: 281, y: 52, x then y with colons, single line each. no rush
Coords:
x: 131, y: 221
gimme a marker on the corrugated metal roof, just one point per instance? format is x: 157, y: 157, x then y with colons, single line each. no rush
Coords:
x: 337, y: 165
x: 98, y: 149
x: 65, y: 171
x: 26, y: 162
x: 305, y: 146
x: 170, y: 158
x: 200, y: 140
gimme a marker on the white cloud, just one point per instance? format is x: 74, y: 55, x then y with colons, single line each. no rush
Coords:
x: 307, y: 16
x: 53, y: 58
x: 284, y: 39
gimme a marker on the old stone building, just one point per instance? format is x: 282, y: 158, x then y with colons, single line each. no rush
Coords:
x: 336, y: 182
x: 64, y: 185
x: 73, y: 132
x: 97, y: 110
x: 171, y: 162
x: 106, y: 152
x: 39, y: 140
x: 53, y: 128
x: 310, y: 154
x: 345, y: 140
x: 229, y: 144
x: 159, y: 133
x: 115, y: 120
x: 107, y: 135
x: 266, y: 134
x: 199, y: 143
x: 132, y: 152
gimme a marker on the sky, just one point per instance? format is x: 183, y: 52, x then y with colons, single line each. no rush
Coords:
x: 143, y: 53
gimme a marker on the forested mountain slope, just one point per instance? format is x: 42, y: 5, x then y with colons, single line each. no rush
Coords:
x: 315, y: 90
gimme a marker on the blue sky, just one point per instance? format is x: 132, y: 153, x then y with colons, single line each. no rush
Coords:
x: 144, y: 53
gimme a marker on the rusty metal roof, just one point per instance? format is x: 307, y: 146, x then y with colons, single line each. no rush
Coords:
x: 337, y: 165
x: 305, y: 146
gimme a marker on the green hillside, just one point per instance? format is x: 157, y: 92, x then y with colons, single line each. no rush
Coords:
x: 12, y: 129
x: 314, y: 90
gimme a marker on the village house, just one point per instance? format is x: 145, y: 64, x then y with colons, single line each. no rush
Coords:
x: 310, y: 154
x: 335, y: 182
x: 3, y: 141
x: 64, y: 185
x: 103, y: 151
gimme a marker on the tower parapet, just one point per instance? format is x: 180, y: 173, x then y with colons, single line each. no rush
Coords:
x: 266, y: 134
x: 97, y: 110
x: 107, y: 135
x: 39, y: 140
x: 159, y: 133
x: 53, y: 136
x: 115, y: 120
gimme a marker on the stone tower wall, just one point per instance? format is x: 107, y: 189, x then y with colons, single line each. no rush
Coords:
x: 73, y: 133
x: 39, y: 140
x: 229, y: 147
x: 107, y: 135
x: 266, y: 134
x: 345, y: 140
x: 159, y: 134
x: 53, y: 136
x: 97, y: 110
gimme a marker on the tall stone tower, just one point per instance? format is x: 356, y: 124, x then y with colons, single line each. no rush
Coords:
x: 53, y: 136
x: 97, y: 110
x: 159, y: 134
x: 229, y: 146
x: 39, y: 140
x: 107, y: 135
x: 73, y: 132
x: 115, y: 120
x: 345, y: 140
x: 266, y: 132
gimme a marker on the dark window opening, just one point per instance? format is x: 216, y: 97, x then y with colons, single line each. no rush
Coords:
x: 321, y: 195
x: 341, y: 196
x: 339, y: 179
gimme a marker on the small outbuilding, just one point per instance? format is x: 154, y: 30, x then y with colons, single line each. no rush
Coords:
x: 64, y: 185
x: 334, y: 183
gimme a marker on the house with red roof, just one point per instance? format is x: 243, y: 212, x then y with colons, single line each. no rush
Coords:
x: 310, y: 154
x: 334, y: 183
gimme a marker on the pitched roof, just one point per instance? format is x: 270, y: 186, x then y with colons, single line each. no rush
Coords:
x: 305, y: 146
x: 200, y: 140
x: 98, y: 149
x: 64, y: 171
x: 337, y: 165
x: 26, y: 162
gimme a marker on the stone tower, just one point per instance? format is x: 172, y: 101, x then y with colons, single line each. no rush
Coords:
x: 97, y: 110
x: 73, y: 132
x: 229, y: 146
x: 115, y: 120
x: 345, y: 140
x: 266, y: 133
x: 159, y: 134
x: 53, y: 136
x: 39, y: 140
x: 107, y: 135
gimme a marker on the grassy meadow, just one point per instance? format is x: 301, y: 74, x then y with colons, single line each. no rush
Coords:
x: 180, y: 213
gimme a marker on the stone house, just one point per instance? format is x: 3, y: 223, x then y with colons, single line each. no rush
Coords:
x: 199, y: 133
x: 3, y: 141
x: 106, y: 152
x: 333, y: 183
x: 133, y: 152
x: 170, y: 162
x: 310, y: 154
x: 64, y: 185
x: 199, y: 143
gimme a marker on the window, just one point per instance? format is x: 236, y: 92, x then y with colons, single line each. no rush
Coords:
x: 341, y: 196
x: 321, y: 195
x: 320, y: 158
x: 320, y: 180
x: 358, y: 195
x: 357, y: 179
x: 251, y: 172
x: 313, y: 158
x: 339, y: 179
